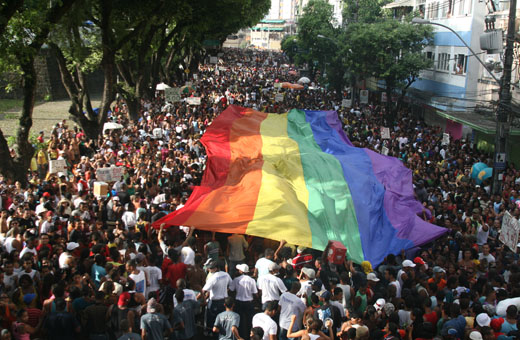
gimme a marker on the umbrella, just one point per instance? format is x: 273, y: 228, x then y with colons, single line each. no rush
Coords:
x: 304, y: 80
x: 161, y: 87
x: 292, y: 86
x: 111, y: 126
x: 187, y: 89
x: 293, y: 73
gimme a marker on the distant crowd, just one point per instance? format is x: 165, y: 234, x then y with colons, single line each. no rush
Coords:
x: 75, y: 265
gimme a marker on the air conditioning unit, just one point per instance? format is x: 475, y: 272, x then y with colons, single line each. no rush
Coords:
x: 492, y: 41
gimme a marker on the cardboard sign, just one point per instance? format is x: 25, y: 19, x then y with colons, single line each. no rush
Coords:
x: 57, y: 165
x: 346, y: 103
x: 108, y: 175
x: 363, y: 96
x: 278, y: 97
x: 157, y: 133
x: 445, y: 139
x: 509, y: 232
x: 172, y: 94
x: 213, y: 60
x: 193, y: 100
x: 385, y: 132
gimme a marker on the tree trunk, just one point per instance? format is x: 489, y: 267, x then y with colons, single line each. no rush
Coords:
x: 16, y: 168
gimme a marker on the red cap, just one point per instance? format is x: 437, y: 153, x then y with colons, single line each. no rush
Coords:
x: 124, y: 298
x: 496, y: 324
x: 49, y: 213
x: 46, y: 194
x: 419, y: 260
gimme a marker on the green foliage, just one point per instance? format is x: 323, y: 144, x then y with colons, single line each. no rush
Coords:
x: 317, y: 20
x: 363, y: 11
x: 388, y: 50
x: 290, y: 46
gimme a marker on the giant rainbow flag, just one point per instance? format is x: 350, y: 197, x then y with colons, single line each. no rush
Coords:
x: 296, y: 176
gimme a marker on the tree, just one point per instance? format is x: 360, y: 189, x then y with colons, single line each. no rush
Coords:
x: 389, y: 50
x: 317, y: 20
x: 363, y: 11
x: 24, y: 28
x: 290, y: 47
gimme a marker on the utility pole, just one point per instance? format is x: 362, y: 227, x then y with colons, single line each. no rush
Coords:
x: 504, y: 103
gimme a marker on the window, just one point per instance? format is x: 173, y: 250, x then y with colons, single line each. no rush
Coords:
x: 444, y: 9
x: 431, y: 56
x: 460, y: 65
x: 443, y: 62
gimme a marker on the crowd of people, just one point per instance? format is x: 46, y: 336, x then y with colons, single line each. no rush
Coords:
x: 75, y: 265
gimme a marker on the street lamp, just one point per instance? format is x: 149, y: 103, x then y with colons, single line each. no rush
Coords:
x: 421, y: 21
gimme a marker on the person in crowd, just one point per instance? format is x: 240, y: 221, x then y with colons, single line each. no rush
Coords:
x: 79, y: 259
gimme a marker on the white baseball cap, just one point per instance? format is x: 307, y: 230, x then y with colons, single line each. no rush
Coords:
x: 72, y: 245
x: 483, y: 320
x: 408, y: 263
x: 475, y: 335
x: 244, y: 268
x: 372, y: 277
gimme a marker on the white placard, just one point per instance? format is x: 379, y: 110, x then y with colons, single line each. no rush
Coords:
x: 195, y: 76
x: 277, y: 85
x: 222, y: 68
x: 363, y: 96
x: 445, y: 139
x: 346, y: 103
x: 384, y: 151
x: 57, y: 165
x: 383, y: 97
x: 278, y: 97
x: 157, y: 133
x: 108, y: 175
x: 385, y: 132
x: 509, y: 231
x: 172, y: 94
x: 193, y: 100
x: 213, y: 60
x: 220, y: 54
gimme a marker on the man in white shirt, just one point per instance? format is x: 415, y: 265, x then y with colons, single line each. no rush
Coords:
x: 245, y: 287
x: 290, y: 305
x: 264, y: 320
x: 188, y: 293
x: 405, y: 272
x: 390, y: 277
x: 485, y: 254
x: 216, y: 289
x: 187, y: 252
x: 262, y: 265
x: 271, y: 285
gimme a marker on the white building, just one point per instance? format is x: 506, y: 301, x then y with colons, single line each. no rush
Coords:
x: 457, y: 91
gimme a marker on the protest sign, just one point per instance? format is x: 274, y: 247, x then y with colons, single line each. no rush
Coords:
x: 346, y: 103
x: 363, y: 96
x: 277, y: 85
x: 57, y: 165
x: 213, y: 60
x: 385, y: 132
x: 278, y: 97
x: 193, y: 100
x: 157, y: 133
x: 384, y: 151
x: 108, y: 175
x: 509, y: 232
x: 173, y: 94
x: 445, y: 139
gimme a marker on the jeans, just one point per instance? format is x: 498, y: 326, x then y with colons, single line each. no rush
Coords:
x: 246, y: 311
x: 213, y: 309
x: 283, y: 334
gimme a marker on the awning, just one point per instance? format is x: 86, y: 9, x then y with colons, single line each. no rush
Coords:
x: 401, y: 3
